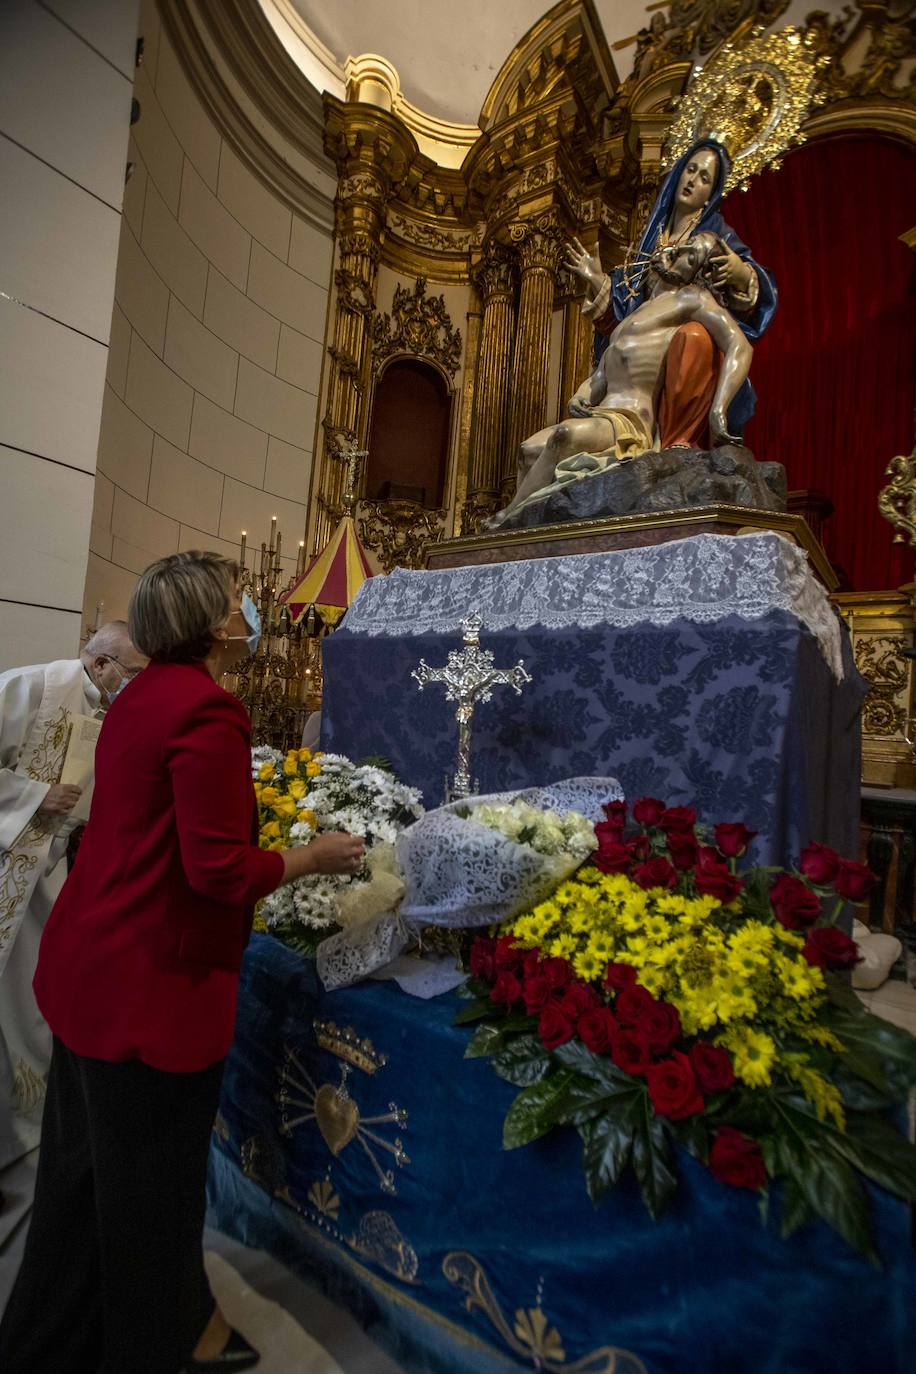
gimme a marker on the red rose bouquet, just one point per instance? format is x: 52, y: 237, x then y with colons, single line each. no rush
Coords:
x: 664, y: 996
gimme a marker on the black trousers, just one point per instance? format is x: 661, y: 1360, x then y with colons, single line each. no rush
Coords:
x: 113, y: 1278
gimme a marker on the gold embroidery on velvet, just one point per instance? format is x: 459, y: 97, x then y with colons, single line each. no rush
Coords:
x: 531, y: 1336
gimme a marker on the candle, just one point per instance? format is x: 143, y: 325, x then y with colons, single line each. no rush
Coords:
x: 273, y: 531
x: 99, y: 607
x: 278, y: 550
x: 242, y: 554
x: 300, y: 560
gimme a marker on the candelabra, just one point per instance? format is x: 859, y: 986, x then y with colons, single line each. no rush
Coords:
x: 280, y: 684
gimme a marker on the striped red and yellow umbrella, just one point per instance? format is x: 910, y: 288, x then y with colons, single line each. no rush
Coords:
x: 332, y: 579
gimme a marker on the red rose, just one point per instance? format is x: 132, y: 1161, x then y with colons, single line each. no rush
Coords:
x: 595, y: 1029
x: 616, y: 812
x: 612, y: 857
x: 819, y: 863
x: 619, y: 976
x: 630, y: 1051
x: 733, y: 838
x: 506, y: 989
x: 661, y: 1026
x: 854, y: 881
x: 673, y: 1088
x: 554, y: 1028
x: 578, y: 998
x: 736, y: 1159
x: 537, y: 993
x: 632, y: 1005
x: 683, y: 849
x: 640, y: 848
x: 795, y: 905
x: 482, y: 960
x: 712, y: 1067
x: 531, y: 963
x: 648, y: 811
x: 655, y: 873
x: 831, y: 948
x: 713, y: 877
x: 678, y: 818
x: 507, y: 953
x: 557, y: 972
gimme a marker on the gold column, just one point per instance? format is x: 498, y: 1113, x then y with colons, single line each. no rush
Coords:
x: 494, y: 362
x: 374, y: 153
x: 538, y: 253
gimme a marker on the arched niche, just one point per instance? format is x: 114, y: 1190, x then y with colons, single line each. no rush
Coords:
x: 409, y: 430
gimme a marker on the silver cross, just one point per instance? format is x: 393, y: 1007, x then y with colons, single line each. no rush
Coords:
x: 468, y: 676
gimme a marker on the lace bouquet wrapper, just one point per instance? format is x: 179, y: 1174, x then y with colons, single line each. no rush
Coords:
x: 461, y: 873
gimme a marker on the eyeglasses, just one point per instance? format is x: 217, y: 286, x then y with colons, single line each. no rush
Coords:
x: 129, y: 673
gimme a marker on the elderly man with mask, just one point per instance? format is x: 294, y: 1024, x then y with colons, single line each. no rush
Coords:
x: 37, y: 707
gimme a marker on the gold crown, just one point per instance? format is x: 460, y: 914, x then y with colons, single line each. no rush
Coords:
x: 753, y: 98
x: 346, y: 1044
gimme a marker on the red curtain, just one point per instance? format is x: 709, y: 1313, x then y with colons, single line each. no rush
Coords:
x: 836, y: 372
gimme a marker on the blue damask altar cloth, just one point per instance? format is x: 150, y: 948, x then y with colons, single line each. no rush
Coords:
x: 478, y: 1260
x: 709, y: 671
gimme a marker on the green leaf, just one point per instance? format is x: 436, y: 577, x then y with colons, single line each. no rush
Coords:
x: 796, y: 1212
x: 608, y: 1143
x: 536, y: 1109
x: 652, y: 1159
x: 828, y: 1184
x: 475, y: 1011
x: 877, y: 1039
x: 693, y: 1133
x: 524, y: 1061
x: 484, y: 1041
x: 879, y: 1151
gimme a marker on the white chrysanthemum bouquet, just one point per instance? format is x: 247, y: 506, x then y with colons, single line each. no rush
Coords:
x: 301, y: 794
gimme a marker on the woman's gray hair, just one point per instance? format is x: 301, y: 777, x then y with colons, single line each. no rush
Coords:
x: 178, y: 604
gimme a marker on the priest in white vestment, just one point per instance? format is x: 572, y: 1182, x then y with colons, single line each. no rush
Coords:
x: 38, y: 705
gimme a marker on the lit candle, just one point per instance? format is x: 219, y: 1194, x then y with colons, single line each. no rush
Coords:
x: 273, y: 531
x: 300, y: 560
x: 242, y: 554
x: 99, y: 608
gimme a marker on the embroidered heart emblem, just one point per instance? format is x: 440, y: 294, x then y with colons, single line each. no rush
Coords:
x: 337, y: 1117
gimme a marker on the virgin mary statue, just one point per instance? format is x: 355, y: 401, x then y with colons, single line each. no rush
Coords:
x: 687, y: 204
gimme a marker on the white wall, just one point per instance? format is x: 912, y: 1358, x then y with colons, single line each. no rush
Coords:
x: 66, y: 74
x: 211, y: 398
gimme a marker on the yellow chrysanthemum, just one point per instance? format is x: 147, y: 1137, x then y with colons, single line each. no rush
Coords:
x: 588, y: 966
x: 754, y: 1054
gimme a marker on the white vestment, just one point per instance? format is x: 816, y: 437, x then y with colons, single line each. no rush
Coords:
x: 37, y: 706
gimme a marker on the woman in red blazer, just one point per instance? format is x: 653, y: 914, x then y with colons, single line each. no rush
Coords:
x: 138, y: 976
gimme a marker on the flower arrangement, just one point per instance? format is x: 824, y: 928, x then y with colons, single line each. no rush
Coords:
x: 300, y: 794
x: 661, y: 995
x: 546, y: 832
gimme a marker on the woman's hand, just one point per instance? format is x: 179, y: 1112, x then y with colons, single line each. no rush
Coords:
x: 585, y: 265
x: 334, y: 852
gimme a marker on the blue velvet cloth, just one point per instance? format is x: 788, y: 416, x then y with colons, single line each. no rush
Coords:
x: 708, y: 1289
x: 741, y: 718
x: 756, y: 321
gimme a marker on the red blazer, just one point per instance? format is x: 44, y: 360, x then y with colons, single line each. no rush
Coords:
x: 140, y: 957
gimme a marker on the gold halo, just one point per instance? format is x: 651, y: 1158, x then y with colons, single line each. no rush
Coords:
x: 753, y: 98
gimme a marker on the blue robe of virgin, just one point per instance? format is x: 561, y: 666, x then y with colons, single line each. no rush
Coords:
x: 754, y: 322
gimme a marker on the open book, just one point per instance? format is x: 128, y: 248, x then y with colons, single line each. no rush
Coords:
x: 79, y: 761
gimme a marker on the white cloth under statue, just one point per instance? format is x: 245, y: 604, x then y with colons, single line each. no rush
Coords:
x: 37, y: 706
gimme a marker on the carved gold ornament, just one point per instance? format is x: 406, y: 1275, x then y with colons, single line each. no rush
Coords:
x: 753, y: 97
x: 419, y: 325
x: 897, y: 501
x: 397, y: 532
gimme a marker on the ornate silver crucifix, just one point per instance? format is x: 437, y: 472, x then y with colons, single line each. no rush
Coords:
x: 468, y: 676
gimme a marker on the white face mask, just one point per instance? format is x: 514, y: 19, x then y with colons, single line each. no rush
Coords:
x: 252, y: 618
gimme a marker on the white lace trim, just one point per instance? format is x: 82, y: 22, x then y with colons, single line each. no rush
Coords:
x: 702, y: 579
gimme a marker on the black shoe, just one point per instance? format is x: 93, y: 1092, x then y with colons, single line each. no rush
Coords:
x: 236, y: 1354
